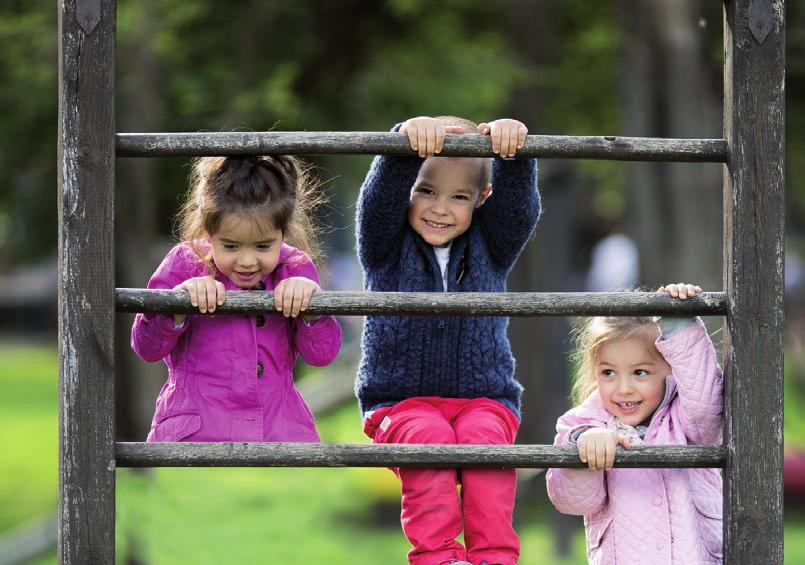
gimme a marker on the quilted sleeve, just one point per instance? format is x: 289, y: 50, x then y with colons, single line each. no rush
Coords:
x: 693, y: 361
x: 574, y: 491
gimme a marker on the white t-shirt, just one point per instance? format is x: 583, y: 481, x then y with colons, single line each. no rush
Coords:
x: 443, y: 257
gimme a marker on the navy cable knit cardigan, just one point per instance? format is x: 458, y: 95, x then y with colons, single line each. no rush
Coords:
x: 452, y: 357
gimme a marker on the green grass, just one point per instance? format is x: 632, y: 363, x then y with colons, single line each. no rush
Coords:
x: 29, y: 433
x: 234, y: 515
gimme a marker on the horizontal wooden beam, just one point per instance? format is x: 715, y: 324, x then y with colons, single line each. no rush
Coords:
x: 438, y: 304
x: 390, y: 143
x: 398, y: 455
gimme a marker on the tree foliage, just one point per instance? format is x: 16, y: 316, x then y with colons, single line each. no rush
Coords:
x: 290, y: 65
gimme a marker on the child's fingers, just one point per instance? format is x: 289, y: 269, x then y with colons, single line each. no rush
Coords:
x: 600, y: 454
x: 495, y: 133
x: 413, y: 135
x: 522, y: 132
x: 484, y: 128
x: 422, y: 141
x: 610, y: 454
x: 306, y: 300
x: 692, y: 290
x: 190, y: 289
x: 625, y: 441
x: 207, y: 295
x: 439, y: 140
x: 581, y: 447
x: 287, y: 300
x: 507, y: 144
x: 220, y: 292
x: 589, y: 456
x: 430, y: 140
x: 296, y: 301
x: 278, y: 290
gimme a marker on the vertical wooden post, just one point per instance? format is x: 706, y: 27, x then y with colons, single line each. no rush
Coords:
x: 754, y: 72
x: 86, y: 281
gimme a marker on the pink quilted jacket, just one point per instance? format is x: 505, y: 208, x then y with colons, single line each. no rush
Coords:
x: 656, y: 516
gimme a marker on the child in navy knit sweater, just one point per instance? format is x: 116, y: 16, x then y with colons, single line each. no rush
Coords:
x: 435, y: 225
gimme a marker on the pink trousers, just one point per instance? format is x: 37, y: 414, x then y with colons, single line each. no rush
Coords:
x: 432, y: 510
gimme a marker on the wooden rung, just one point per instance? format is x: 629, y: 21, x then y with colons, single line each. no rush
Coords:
x: 438, y: 304
x: 398, y: 455
x: 389, y: 143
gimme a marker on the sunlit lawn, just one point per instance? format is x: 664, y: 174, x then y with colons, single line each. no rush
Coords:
x: 228, y: 515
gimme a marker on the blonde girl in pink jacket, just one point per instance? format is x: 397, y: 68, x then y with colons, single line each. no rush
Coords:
x: 641, y: 382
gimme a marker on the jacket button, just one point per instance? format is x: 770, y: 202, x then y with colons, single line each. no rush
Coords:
x: 261, y: 321
x: 259, y: 369
x: 656, y: 500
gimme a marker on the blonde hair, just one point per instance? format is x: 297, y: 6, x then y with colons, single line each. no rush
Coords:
x: 274, y: 191
x: 588, y: 339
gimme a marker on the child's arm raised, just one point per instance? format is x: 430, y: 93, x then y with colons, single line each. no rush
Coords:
x: 510, y: 214
x: 382, y: 211
x: 687, y: 348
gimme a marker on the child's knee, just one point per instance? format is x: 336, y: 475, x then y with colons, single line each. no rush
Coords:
x: 485, y: 428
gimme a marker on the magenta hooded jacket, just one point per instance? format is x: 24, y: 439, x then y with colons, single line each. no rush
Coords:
x: 230, y: 377
x: 657, y: 516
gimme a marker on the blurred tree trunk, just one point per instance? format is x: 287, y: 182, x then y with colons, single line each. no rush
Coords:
x: 540, y: 344
x: 671, y: 89
x: 136, y: 220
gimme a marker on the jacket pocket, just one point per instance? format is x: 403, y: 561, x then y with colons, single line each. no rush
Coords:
x: 175, y: 428
x: 596, y: 530
x: 709, y: 521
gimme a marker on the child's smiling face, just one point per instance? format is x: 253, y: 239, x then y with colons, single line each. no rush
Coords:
x: 444, y: 196
x: 630, y: 374
x: 245, y: 251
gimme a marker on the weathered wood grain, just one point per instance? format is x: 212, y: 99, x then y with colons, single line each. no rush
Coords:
x: 86, y: 282
x: 390, y: 143
x: 437, y: 304
x: 399, y: 455
x: 753, y: 253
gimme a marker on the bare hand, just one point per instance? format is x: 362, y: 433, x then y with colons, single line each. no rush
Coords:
x: 681, y: 290
x: 597, y: 446
x: 292, y: 295
x: 205, y: 292
x: 426, y: 135
x: 507, y: 135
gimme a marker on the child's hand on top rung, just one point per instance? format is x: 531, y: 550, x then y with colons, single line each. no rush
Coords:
x: 426, y: 135
x: 681, y: 290
x: 597, y: 446
x: 205, y: 292
x: 292, y: 295
x: 507, y: 135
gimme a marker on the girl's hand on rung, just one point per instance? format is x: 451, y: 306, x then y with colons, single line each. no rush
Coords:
x: 507, y: 135
x: 292, y: 295
x: 426, y: 135
x: 205, y: 292
x: 682, y: 291
x: 597, y: 446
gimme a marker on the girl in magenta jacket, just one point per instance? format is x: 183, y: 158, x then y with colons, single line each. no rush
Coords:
x: 640, y: 385
x: 230, y: 378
